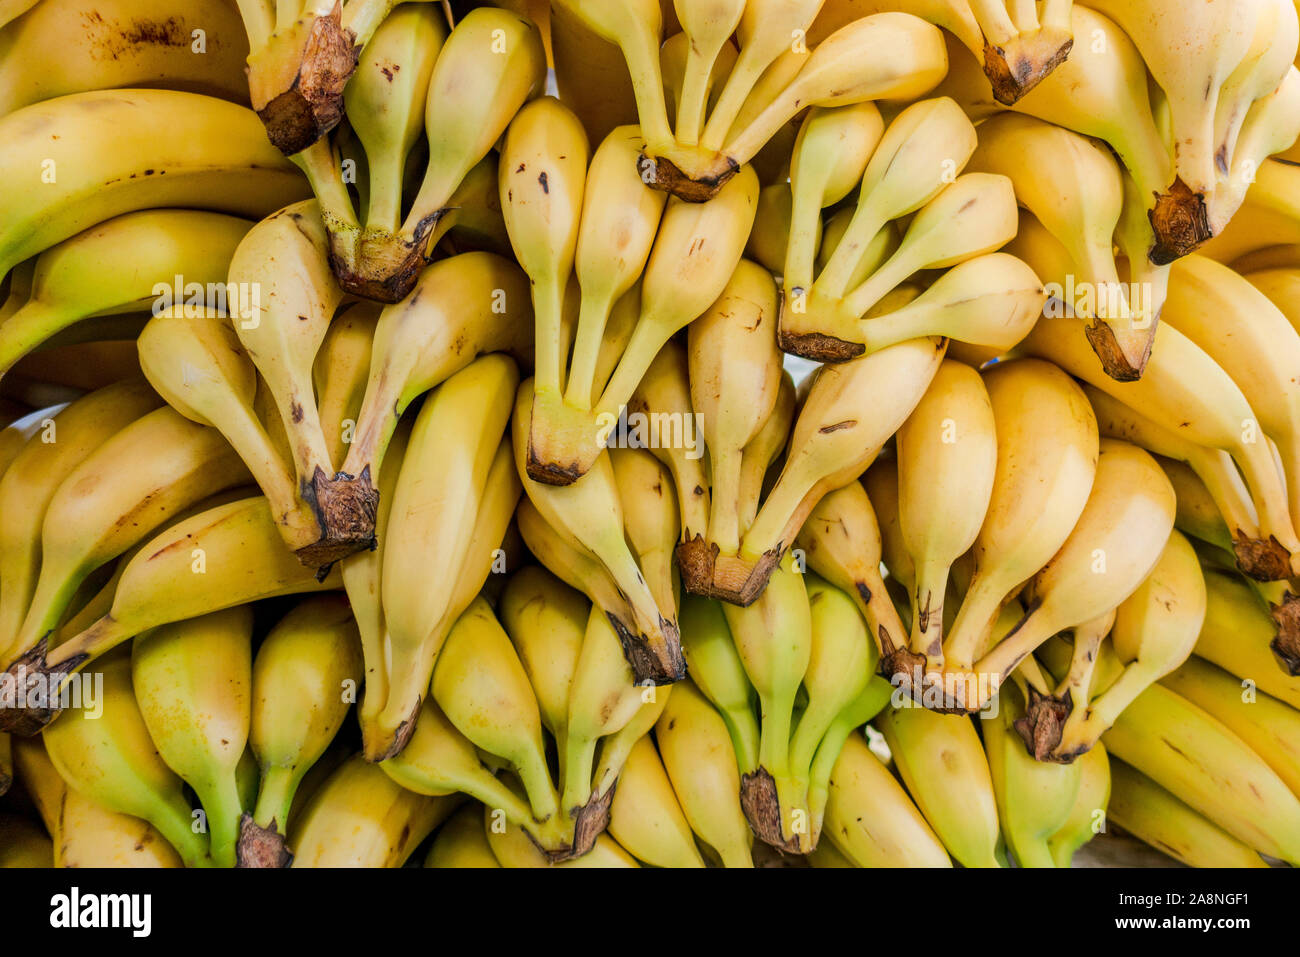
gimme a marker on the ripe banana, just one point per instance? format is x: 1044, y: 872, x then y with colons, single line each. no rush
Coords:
x: 1186, y: 391
x: 119, y: 266
x: 1203, y: 763
x: 110, y: 758
x: 340, y: 373
x: 871, y: 820
x: 645, y: 817
x: 462, y: 842
x: 304, y: 678
x: 677, y: 286
x: 454, y: 465
x: 200, y: 49
x: 1149, y: 812
x: 697, y: 754
x: 133, y: 484
x: 62, y: 443
x: 169, y: 580
x: 942, y: 763
x: 461, y: 308
x: 947, y: 458
x: 1045, y: 470
x: 831, y: 443
x: 192, y: 684
x: 362, y: 818
x: 152, y: 148
x: 1088, y: 816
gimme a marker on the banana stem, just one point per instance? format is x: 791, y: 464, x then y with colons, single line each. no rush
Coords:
x: 927, y: 619
x: 644, y: 344
x: 1034, y: 853
x: 101, y: 637
x: 1267, y: 490
x: 895, y: 270
x: 593, y: 314
x: 259, y: 21
x: 783, y: 503
x: 363, y: 17
x: 384, y: 204
x: 642, y: 56
x: 50, y: 601
x: 838, y: 272
x: 694, y: 96
x: 976, y: 618
x: 174, y: 823
x: 732, y: 99
x: 579, y: 756
x: 223, y: 807
x: 744, y: 738
x: 548, y: 306
x: 275, y: 795
x: 724, y: 517
x: 533, y: 773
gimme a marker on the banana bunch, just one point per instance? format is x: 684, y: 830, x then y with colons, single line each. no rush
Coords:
x: 706, y: 108
x: 860, y: 300
x: 414, y: 77
x: 548, y: 672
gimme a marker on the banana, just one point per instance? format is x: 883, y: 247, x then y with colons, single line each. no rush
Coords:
x: 512, y: 848
x: 1184, y: 390
x: 719, y: 674
x: 1271, y: 126
x: 439, y: 760
x: 604, y: 699
x: 1250, y: 339
x: 1074, y: 188
x: 281, y: 333
x: 385, y: 99
x: 942, y: 763
x: 871, y: 820
x: 303, y: 678
x: 462, y: 842
x: 841, y: 542
x: 16, y: 433
x: 616, y: 232
x: 707, y: 26
x: 120, y: 266
x: 61, y: 444
x: 1149, y: 812
x: 832, y: 442
x: 956, y: 220
x: 1118, y: 539
x: 1192, y: 58
x: 645, y: 817
x: 1213, y: 467
x: 697, y: 754
x: 589, y: 514
x: 1238, y: 635
x: 445, y: 480
x: 493, y: 60
x: 773, y: 639
x: 547, y: 621
x: 1154, y: 631
x: 1190, y: 753
x: 482, y: 687
x: 154, y: 45
x: 1088, y: 816
x: 153, y: 148
x: 361, y: 818
x: 947, y: 458
x: 461, y: 308
x: 829, y: 159
x: 677, y: 287
x: 542, y: 182
x: 735, y: 381
x: 169, y: 580
x: 1034, y: 800
x: 649, y: 519
x: 200, y: 368
x: 664, y: 397
x: 110, y: 759
x: 340, y: 373
x: 87, y: 834
x: 192, y: 684
x: 133, y: 484
x: 1045, y: 470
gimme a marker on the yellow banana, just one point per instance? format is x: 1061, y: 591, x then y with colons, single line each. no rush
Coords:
x: 645, y: 817
x: 1088, y: 816
x: 462, y: 842
x: 1239, y: 635
x: 152, y: 148
x: 303, y: 679
x: 192, y: 684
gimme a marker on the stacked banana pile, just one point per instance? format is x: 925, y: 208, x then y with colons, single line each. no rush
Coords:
x: 400, y: 463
